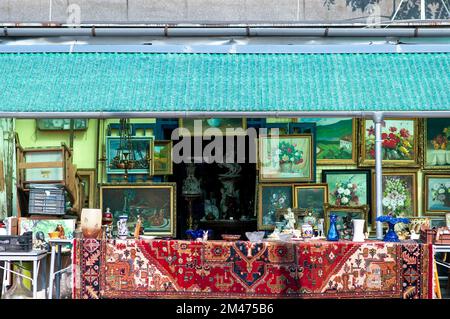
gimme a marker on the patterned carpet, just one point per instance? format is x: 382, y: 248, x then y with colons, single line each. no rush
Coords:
x: 217, y: 269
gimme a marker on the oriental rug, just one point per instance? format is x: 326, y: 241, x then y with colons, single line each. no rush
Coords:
x: 217, y: 269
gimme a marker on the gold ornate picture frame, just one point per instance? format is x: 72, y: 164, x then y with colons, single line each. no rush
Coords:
x: 355, y: 212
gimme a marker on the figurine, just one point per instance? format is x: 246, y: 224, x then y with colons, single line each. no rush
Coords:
x: 205, y: 235
x: 211, y: 210
x: 40, y: 242
x: 60, y: 229
x: 191, y: 185
x: 138, y: 227
x: 320, y: 223
x: 290, y: 217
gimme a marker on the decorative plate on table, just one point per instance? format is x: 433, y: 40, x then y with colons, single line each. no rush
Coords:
x: 229, y: 237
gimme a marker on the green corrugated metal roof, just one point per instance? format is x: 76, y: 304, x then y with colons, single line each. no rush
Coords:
x: 122, y: 82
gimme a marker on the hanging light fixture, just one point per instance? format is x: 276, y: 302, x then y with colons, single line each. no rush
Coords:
x: 124, y: 158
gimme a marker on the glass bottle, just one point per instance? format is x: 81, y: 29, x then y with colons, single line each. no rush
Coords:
x: 333, y: 234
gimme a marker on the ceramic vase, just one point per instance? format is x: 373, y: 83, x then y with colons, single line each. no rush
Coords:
x: 391, y: 235
x: 91, y: 222
x: 358, y: 230
x: 122, y: 228
x: 333, y: 234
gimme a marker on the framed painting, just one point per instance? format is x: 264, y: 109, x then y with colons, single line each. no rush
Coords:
x: 437, y: 194
x: 399, y: 193
x: 350, y: 187
x: 437, y: 222
x: 41, y: 228
x: 155, y: 203
x: 436, y: 148
x: 335, y: 140
x: 345, y: 216
x: 447, y: 219
x: 89, y: 187
x: 271, y: 198
x: 142, y: 155
x: 286, y: 158
x: 311, y: 197
x: 162, y: 158
x: 62, y: 124
x: 213, y: 126
x: 400, y: 142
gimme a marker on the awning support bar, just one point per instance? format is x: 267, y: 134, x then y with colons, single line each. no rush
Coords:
x: 378, y: 118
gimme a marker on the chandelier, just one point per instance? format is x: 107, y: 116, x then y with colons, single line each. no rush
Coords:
x: 124, y: 158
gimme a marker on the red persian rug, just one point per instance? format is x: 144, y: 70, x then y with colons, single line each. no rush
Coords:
x: 216, y: 269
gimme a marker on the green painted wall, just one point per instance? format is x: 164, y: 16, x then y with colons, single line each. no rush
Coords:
x: 84, y: 143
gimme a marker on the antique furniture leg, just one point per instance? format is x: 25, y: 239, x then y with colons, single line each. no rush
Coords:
x: 52, y: 272
x: 35, y: 277
x: 58, y: 274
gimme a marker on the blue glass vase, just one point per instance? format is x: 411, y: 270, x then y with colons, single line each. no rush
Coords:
x: 333, y: 234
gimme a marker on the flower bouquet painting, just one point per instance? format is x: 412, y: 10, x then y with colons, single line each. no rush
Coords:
x: 272, y: 197
x: 348, y: 188
x: 398, y: 195
x: 437, y: 194
x: 437, y: 147
x: 399, y: 142
x: 286, y: 158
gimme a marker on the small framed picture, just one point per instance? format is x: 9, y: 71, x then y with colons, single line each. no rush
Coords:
x: 345, y: 216
x: 286, y: 158
x: 400, y: 142
x: 271, y: 198
x: 311, y: 197
x: 162, y: 158
x: 437, y: 194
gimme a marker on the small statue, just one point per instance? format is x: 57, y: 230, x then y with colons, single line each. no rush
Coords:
x: 320, y: 227
x: 138, y: 227
x: 60, y: 229
x: 211, y: 210
x: 191, y: 185
x: 40, y: 242
x: 205, y: 235
x: 290, y: 217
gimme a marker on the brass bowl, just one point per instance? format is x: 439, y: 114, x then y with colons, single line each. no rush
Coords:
x: 54, y: 234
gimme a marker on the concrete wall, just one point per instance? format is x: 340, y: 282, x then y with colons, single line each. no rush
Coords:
x: 198, y: 11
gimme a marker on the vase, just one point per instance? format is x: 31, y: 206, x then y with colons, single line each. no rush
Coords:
x: 333, y: 234
x: 91, y: 222
x: 286, y: 167
x: 358, y: 230
x: 122, y: 228
x: 391, y: 235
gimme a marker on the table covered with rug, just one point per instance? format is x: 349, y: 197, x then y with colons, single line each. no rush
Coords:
x: 219, y: 269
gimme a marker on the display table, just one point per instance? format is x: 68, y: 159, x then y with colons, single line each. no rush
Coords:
x: 218, y: 269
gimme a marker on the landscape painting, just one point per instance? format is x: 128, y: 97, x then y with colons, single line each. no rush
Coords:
x: 335, y: 140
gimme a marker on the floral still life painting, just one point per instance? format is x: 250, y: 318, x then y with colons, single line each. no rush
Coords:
x: 347, y: 187
x: 272, y: 197
x: 287, y: 157
x: 437, y: 194
x: 399, y: 142
x: 399, y: 198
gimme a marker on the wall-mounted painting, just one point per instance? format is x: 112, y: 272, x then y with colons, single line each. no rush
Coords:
x: 399, y: 193
x: 272, y: 197
x: 436, y: 148
x: 162, y: 158
x: 348, y: 187
x: 142, y: 155
x: 335, y: 140
x: 399, y: 146
x: 345, y: 216
x: 311, y: 197
x: 213, y: 126
x: 437, y: 194
x: 286, y: 158
x: 155, y: 203
x: 62, y: 124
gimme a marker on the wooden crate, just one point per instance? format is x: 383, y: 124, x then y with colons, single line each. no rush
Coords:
x: 48, y: 165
